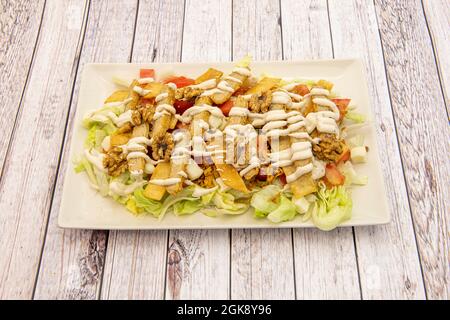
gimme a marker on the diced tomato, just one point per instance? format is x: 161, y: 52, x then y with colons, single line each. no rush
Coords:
x: 344, y: 156
x: 182, y: 105
x: 147, y: 73
x: 301, y: 89
x: 333, y: 176
x: 226, y: 107
x: 283, y: 179
x: 179, y: 81
x: 342, y: 105
x: 240, y: 91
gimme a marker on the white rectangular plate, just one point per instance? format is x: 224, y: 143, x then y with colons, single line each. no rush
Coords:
x: 83, y: 207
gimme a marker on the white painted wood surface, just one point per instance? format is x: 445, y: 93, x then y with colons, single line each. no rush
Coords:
x: 19, y: 28
x: 256, y: 255
x: 437, y: 14
x: 136, y: 260
x: 198, y: 261
x: 387, y: 256
x: 74, y: 259
x: 322, y: 271
x: 29, y: 172
x: 423, y: 133
x: 404, y: 47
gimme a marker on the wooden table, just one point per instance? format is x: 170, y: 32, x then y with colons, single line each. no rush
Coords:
x: 405, y: 48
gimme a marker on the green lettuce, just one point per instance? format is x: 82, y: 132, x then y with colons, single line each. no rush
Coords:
x: 187, y: 207
x: 355, y: 117
x: 226, y: 203
x: 284, y: 212
x: 333, y: 207
x: 263, y: 200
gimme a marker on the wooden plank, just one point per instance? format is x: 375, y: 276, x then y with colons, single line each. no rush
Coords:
x: 73, y: 260
x: 388, y: 260
x: 136, y: 261
x: 437, y: 14
x: 19, y: 28
x: 322, y: 270
x: 423, y: 132
x: 29, y: 171
x: 198, y: 265
x: 257, y: 254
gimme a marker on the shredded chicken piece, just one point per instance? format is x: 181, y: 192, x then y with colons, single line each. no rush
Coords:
x: 329, y: 148
x: 162, y: 147
x: 115, y: 161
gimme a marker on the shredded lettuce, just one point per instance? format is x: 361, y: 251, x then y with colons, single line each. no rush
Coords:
x: 333, y: 207
x: 227, y: 203
x: 102, y: 181
x: 187, y: 206
x: 355, y: 141
x: 286, y: 211
x: 95, y: 136
x: 131, y: 205
x: 355, y: 117
x: 82, y: 164
x: 151, y: 206
x: 351, y: 177
x: 263, y: 200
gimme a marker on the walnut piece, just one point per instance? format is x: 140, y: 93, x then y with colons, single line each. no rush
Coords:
x: 187, y: 93
x: 115, y: 162
x: 162, y: 147
x: 260, y: 103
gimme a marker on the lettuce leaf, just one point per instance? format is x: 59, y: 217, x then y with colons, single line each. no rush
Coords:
x: 132, y: 206
x: 333, y: 207
x: 263, y: 200
x: 351, y: 177
x: 187, y: 207
x: 286, y: 211
x: 226, y: 202
x: 81, y: 165
x: 149, y: 205
x: 355, y: 117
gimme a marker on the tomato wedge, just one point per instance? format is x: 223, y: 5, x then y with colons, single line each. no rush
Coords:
x: 226, y: 107
x: 342, y: 105
x: 182, y: 105
x: 180, y: 81
x: 147, y: 73
x: 301, y: 89
x: 333, y: 176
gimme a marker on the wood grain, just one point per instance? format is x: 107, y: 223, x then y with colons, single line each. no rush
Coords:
x: 136, y: 261
x: 437, y: 14
x: 423, y: 132
x: 29, y: 172
x: 19, y: 29
x: 388, y: 260
x: 73, y: 260
x: 256, y: 255
x: 198, y: 263
x: 322, y: 271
